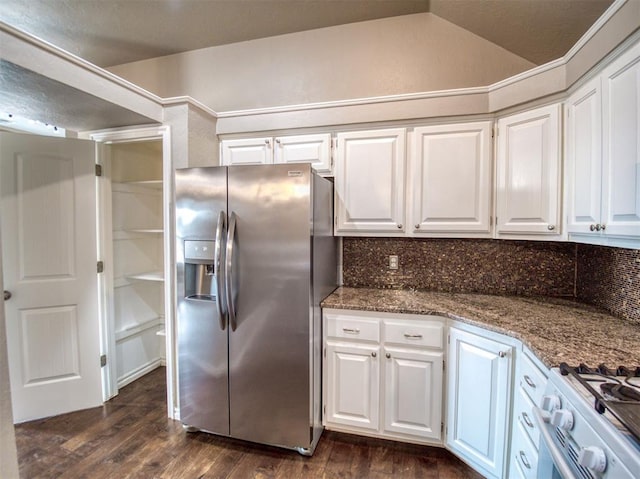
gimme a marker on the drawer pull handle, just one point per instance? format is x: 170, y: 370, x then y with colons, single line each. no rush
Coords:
x: 374, y: 354
x: 412, y: 336
x: 524, y: 460
x: 529, y: 381
x: 351, y: 330
x: 527, y: 420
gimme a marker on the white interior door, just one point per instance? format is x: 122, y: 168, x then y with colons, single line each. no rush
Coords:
x: 48, y: 213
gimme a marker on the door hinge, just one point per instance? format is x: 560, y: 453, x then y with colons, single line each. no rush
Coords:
x: 448, y: 339
x: 325, y: 352
x: 324, y: 410
x: 443, y: 363
x: 441, y: 427
x: 100, y: 266
x: 98, y: 170
x: 103, y: 360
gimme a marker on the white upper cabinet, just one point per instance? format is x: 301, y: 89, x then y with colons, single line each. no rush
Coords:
x: 252, y: 151
x: 603, y: 155
x: 621, y: 145
x: 583, y: 140
x: 528, y: 174
x: 314, y: 149
x: 369, y: 183
x: 450, y: 171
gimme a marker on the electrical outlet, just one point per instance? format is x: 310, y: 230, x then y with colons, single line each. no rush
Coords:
x: 393, y: 261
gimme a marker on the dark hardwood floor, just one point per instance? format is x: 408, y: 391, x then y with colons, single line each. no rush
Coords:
x: 131, y: 437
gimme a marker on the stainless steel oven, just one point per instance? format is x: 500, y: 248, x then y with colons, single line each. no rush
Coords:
x: 580, y: 437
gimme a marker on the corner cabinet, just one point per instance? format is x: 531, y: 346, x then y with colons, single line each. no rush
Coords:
x: 313, y: 149
x: 479, y: 397
x: 369, y: 182
x: 602, y: 151
x: 451, y: 169
x: 383, y: 375
x: 528, y: 171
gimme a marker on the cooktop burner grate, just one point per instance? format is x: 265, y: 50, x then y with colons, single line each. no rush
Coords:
x: 618, y: 392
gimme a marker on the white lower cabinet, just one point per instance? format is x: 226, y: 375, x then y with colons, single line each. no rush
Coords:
x: 479, y: 397
x: 383, y: 375
x: 353, y: 375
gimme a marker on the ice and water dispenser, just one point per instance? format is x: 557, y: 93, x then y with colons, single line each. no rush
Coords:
x: 199, y: 275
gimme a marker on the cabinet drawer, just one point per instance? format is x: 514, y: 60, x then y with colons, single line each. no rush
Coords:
x: 524, y: 415
x: 352, y: 328
x: 414, y: 333
x: 531, y: 379
x: 524, y: 454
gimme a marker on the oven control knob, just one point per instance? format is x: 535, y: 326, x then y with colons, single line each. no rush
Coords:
x: 563, y: 419
x: 593, y: 458
x: 551, y: 403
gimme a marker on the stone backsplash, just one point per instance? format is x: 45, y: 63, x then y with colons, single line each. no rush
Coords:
x: 610, y: 278
x: 528, y: 268
x: 598, y: 275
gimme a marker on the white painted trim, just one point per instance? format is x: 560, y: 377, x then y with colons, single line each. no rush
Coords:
x: 139, y: 329
x: 179, y: 100
x: 138, y: 373
x: 145, y: 133
x: 76, y: 60
x: 355, y: 102
x: 595, y: 28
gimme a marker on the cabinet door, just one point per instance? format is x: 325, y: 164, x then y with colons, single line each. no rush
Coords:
x: 451, y: 172
x: 528, y: 173
x: 413, y: 393
x: 369, y: 182
x: 314, y: 149
x: 353, y: 385
x: 478, y: 395
x: 621, y: 152
x: 253, y: 151
x: 584, y: 157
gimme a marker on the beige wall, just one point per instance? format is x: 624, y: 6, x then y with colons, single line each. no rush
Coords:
x: 8, y: 456
x: 407, y: 54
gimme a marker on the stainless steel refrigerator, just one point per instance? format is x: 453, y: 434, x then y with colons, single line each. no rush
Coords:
x: 255, y: 255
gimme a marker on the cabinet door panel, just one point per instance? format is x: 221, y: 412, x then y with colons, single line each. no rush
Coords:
x: 621, y: 156
x: 451, y: 171
x: 528, y: 173
x: 413, y: 393
x: 370, y: 181
x: 253, y: 151
x: 584, y: 157
x: 314, y: 149
x: 478, y: 399
x: 353, y: 386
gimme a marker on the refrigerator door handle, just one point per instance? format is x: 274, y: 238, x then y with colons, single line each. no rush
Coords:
x: 228, y: 272
x: 218, y: 269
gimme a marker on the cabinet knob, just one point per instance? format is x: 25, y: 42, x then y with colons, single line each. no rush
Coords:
x: 7, y: 295
x: 603, y: 227
x: 502, y: 354
x: 267, y: 142
x: 399, y: 227
x: 529, y: 381
x: 598, y: 227
x: 388, y: 355
x: 374, y: 354
x: 524, y: 460
x: 278, y: 141
x: 592, y: 227
x: 417, y: 227
x: 551, y: 227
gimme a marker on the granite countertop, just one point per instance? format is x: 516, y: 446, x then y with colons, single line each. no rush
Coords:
x: 555, y: 330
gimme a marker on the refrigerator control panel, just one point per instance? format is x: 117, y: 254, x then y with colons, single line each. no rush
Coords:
x: 199, y: 250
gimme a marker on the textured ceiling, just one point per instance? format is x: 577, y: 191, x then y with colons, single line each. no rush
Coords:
x: 112, y: 32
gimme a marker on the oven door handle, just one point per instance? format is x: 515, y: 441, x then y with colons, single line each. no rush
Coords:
x: 556, y: 454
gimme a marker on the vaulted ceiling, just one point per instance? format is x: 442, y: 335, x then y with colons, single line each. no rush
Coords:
x: 113, y: 32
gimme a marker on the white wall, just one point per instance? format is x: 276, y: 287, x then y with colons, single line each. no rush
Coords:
x: 407, y: 54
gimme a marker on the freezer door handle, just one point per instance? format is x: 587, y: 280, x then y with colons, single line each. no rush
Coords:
x: 228, y: 272
x: 218, y: 270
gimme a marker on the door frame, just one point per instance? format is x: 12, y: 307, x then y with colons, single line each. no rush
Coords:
x: 107, y: 319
